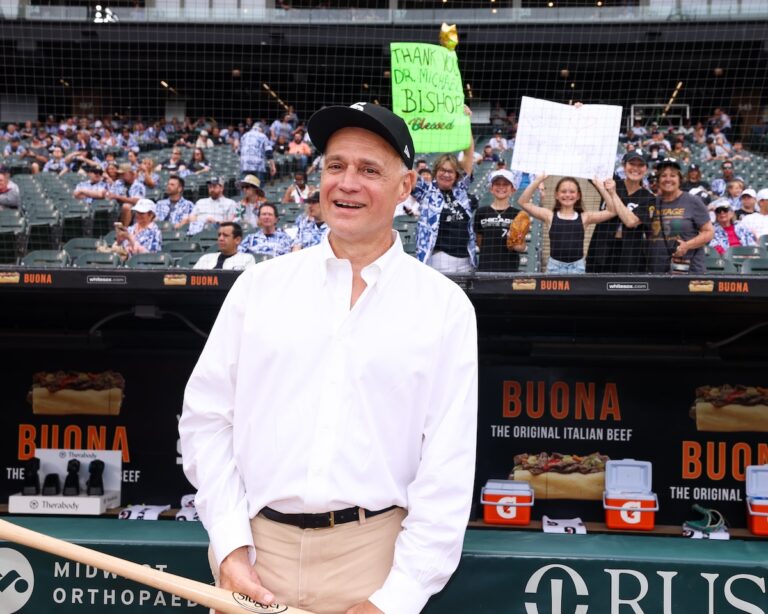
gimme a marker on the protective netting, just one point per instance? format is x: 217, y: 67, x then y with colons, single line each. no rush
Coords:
x: 118, y: 87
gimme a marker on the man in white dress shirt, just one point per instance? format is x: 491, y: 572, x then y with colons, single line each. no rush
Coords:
x: 335, y: 462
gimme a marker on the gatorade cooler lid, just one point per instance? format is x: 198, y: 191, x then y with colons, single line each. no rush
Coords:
x: 627, y: 476
x: 519, y: 487
x: 757, y: 481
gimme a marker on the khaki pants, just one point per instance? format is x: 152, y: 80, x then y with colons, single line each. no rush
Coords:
x: 325, y: 571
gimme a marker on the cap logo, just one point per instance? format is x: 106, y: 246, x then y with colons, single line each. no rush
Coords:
x: 406, y: 152
x: 360, y: 106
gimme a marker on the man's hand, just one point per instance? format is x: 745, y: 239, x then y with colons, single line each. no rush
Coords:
x: 237, y: 574
x: 366, y: 607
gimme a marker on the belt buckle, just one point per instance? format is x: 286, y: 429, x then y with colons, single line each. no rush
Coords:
x: 333, y: 520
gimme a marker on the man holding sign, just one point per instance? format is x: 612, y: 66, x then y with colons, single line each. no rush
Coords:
x: 346, y: 490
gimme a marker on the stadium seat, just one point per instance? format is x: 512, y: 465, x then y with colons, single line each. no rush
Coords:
x: 96, y: 260
x: 76, y: 220
x: 43, y: 229
x: 160, y: 260
x: 13, y: 236
x: 181, y: 247
x: 755, y: 266
x: 763, y: 242
x: 45, y: 258
x: 78, y: 245
x: 720, y: 266
x: 187, y: 261
x: 739, y: 253
x: 172, y: 235
x: 104, y: 216
x: 207, y: 237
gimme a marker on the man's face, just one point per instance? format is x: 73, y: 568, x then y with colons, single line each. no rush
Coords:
x: 3, y: 181
x: 299, y: 179
x: 267, y: 219
x: 763, y: 206
x: 362, y: 182
x: 128, y: 177
x: 748, y: 203
x: 215, y: 190
x: 727, y: 172
x: 635, y: 169
x: 173, y: 188
x: 694, y: 175
x: 226, y: 240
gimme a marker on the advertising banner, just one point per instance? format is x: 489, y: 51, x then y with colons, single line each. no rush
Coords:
x: 124, y: 400
x: 556, y: 427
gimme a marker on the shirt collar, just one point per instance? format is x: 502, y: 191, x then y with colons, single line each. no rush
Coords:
x: 371, y: 273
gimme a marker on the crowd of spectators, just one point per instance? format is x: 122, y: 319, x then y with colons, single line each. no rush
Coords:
x: 129, y: 162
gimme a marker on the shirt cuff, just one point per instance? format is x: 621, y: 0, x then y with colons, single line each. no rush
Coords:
x: 232, y: 531
x: 400, y: 595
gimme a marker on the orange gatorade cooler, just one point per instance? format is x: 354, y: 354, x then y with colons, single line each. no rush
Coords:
x: 628, y: 501
x: 507, y: 502
x: 757, y: 499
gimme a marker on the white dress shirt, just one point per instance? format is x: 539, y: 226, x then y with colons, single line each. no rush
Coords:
x: 236, y: 262
x: 350, y: 409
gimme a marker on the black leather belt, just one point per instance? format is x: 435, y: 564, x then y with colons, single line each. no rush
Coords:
x: 321, y: 521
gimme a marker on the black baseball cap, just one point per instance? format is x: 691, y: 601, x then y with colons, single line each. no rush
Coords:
x: 215, y: 180
x: 373, y: 117
x: 633, y: 155
x: 693, y: 167
x: 668, y: 162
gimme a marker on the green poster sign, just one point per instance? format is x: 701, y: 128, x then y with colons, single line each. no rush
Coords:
x: 427, y: 93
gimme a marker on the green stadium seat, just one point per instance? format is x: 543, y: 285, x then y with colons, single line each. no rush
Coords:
x: 720, y: 266
x: 187, y: 261
x: 96, y: 260
x: 78, y: 245
x: 43, y: 229
x: 160, y: 260
x: 45, y: 258
x: 755, y: 266
x: 739, y: 253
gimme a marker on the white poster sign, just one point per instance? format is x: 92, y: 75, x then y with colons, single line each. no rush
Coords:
x: 560, y: 139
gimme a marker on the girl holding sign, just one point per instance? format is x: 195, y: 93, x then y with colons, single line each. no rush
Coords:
x: 566, y: 223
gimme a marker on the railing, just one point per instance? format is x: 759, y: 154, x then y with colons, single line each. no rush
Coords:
x: 249, y: 11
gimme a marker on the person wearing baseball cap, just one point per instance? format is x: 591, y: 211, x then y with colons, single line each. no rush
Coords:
x: 382, y: 473
x: 311, y: 228
x: 214, y: 209
x: 492, y: 223
x: 757, y: 223
x: 680, y: 225
x: 728, y: 234
x: 693, y: 179
x: 126, y: 191
x: 748, y: 200
x: 143, y: 236
x: 618, y: 244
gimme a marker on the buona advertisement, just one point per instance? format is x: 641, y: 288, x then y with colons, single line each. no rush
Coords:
x: 556, y: 429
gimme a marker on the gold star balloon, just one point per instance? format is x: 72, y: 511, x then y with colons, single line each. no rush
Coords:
x: 449, y: 36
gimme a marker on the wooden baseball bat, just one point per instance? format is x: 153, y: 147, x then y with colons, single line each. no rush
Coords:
x: 206, y: 595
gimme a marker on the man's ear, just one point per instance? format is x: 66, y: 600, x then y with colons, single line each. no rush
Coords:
x: 408, y: 183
